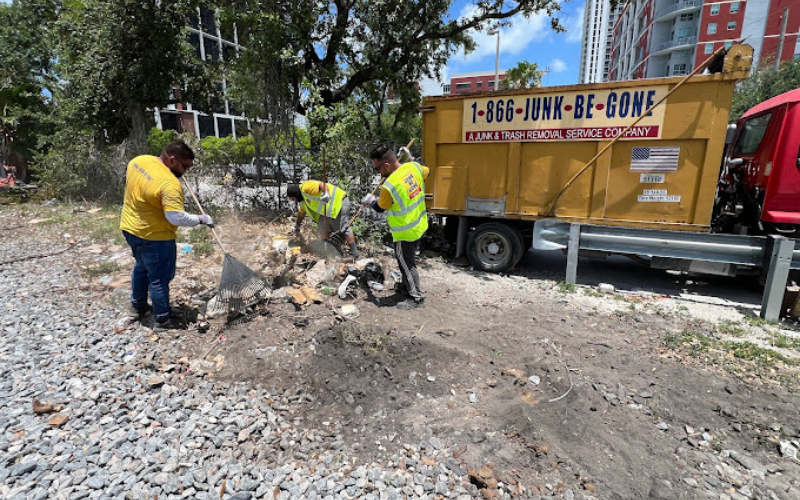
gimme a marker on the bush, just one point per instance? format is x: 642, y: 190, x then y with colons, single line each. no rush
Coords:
x: 158, y: 139
x: 75, y: 169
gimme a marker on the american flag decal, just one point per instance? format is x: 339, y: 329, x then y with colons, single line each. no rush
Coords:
x: 655, y: 159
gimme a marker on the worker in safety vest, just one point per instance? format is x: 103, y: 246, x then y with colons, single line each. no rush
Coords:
x: 402, y: 197
x: 323, y: 201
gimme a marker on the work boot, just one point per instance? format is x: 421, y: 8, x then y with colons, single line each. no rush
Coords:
x: 401, y: 288
x: 137, y: 314
x: 411, y: 304
x: 172, y: 323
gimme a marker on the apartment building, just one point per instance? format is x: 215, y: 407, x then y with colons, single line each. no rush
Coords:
x: 212, y: 42
x: 597, y: 34
x: 657, y: 38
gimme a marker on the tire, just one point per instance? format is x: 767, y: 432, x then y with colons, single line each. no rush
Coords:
x: 494, y: 247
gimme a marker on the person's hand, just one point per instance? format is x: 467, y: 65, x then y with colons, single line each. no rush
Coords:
x: 206, y: 219
x: 368, y: 199
x: 325, y: 198
x: 404, y: 155
x: 296, y: 229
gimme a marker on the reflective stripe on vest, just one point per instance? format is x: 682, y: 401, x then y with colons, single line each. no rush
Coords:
x: 407, y: 218
x: 314, y: 203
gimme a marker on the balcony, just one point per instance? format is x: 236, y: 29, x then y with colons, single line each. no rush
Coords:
x: 675, y: 9
x: 674, y: 44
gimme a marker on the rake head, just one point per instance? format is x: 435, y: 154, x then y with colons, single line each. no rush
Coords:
x: 239, y: 286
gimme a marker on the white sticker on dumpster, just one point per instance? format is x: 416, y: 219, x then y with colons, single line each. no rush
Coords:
x: 661, y: 196
x: 652, y: 178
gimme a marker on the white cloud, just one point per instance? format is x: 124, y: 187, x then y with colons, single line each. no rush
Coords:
x: 514, y: 39
x: 431, y: 86
x: 557, y: 65
x: 574, y: 26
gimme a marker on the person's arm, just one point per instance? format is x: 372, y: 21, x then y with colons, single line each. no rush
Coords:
x: 385, y: 201
x: 172, y: 202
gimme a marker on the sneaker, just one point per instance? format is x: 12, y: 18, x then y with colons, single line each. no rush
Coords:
x: 410, y: 304
x: 139, y: 314
x: 400, y: 288
x: 172, y: 323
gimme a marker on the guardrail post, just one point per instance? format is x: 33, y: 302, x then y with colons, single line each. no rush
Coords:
x: 572, y: 253
x: 780, y: 263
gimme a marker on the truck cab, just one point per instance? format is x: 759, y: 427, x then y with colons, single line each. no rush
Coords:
x: 759, y: 187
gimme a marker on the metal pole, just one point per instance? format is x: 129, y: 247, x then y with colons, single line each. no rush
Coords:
x: 572, y: 253
x: 497, y: 61
x: 780, y: 39
x: 780, y: 263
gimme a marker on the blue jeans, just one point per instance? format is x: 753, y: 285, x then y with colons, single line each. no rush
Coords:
x: 154, y: 269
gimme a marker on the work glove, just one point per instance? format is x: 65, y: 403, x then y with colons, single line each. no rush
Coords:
x: 404, y: 155
x: 368, y: 199
x: 206, y: 219
x: 325, y: 198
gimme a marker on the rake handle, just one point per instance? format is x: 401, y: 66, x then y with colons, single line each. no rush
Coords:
x: 194, y: 197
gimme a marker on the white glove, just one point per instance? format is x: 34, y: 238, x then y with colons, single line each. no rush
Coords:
x: 404, y: 155
x: 368, y: 199
x: 206, y: 219
x: 325, y: 198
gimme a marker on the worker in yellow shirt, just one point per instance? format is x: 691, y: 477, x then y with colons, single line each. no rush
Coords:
x: 328, y: 205
x: 403, y: 199
x: 151, y: 214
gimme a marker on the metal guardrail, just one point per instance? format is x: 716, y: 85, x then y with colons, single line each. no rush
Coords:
x: 683, y: 4
x: 777, y: 254
x: 677, y: 42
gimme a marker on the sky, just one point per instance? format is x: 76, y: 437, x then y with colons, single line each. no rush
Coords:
x: 529, y: 40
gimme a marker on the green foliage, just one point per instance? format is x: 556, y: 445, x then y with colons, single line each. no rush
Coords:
x: 25, y: 75
x: 158, y: 139
x: 524, y: 75
x: 204, y: 248
x: 118, y: 59
x: 101, y: 269
x: 731, y: 328
x: 765, y: 85
x: 564, y: 287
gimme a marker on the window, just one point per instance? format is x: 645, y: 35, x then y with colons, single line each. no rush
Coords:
x: 491, y: 84
x: 685, y: 32
x: 752, y: 133
x: 709, y: 48
x: 225, y: 127
x: 679, y: 69
x: 712, y: 28
x: 463, y: 85
x: 731, y: 25
x: 241, y: 128
x: 734, y: 7
x: 687, y: 17
x: 206, y: 124
x: 728, y: 45
x: 715, y: 9
x: 212, y: 49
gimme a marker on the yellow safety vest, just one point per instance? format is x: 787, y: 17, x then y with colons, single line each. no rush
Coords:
x: 314, y: 206
x: 407, y: 217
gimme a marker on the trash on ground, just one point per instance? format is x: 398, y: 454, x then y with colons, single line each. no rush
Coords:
x: 350, y: 311
x: 348, y: 283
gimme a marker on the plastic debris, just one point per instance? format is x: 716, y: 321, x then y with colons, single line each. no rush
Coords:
x: 350, y: 311
x: 187, y: 248
x: 343, y: 288
x: 605, y: 288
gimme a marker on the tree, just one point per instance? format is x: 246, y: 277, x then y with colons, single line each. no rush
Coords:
x: 765, y: 85
x: 333, y: 49
x: 26, y: 77
x: 119, y: 59
x: 524, y: 75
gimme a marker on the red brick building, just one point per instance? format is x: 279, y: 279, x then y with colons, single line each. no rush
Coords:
x: 467, y: 83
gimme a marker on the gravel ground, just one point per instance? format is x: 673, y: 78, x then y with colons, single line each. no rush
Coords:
x: 129, y: 428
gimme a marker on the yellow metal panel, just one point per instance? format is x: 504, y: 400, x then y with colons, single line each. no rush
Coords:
x: 626, y: 186
x: 546, y: 167
x: 450, y: 187
x: 512, y: 189
x: 600, y: 183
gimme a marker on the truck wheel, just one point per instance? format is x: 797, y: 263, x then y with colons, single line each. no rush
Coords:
x: 494, y: 247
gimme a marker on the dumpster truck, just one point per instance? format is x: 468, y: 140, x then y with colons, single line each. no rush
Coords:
x: 500, y: 161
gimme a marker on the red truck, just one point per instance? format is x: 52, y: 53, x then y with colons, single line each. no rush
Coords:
x: 759, y: 189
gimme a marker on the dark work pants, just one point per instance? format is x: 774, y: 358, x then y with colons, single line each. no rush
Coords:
x: 405, y: 252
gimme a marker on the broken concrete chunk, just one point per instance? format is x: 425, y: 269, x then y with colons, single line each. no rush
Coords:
x: 605, y: 288
x: 322, y: 272
x: 788, y: 450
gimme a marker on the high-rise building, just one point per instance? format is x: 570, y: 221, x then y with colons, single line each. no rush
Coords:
x: 657, y: 38
x: 212, y: 42
x: 598, y: 30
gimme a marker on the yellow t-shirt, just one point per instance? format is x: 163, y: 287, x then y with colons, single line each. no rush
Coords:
x: 150, y: 190
x: 311, y: 188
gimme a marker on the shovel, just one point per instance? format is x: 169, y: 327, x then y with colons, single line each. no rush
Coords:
x: 331, y: 246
